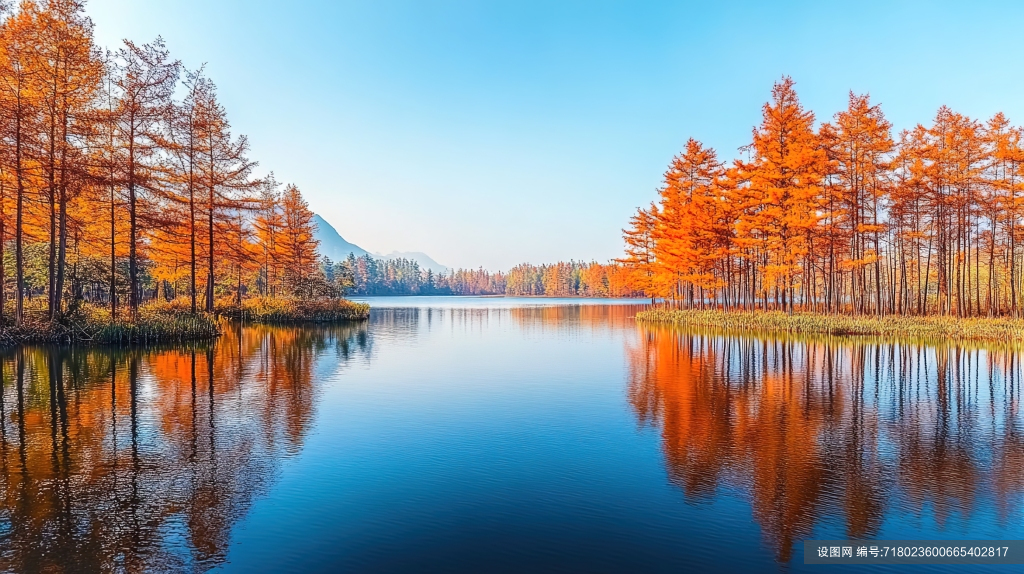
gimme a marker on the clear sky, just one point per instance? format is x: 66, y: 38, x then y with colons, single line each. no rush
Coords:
x: 492, y: 133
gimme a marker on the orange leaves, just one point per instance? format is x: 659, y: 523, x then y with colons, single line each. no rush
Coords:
x: 785, y: 174
x: 297, y: 245
x: 688, y: 234
x: 842, y: 218
x: 761, y: 212
x: 103, y: 174
x: 640, y: 243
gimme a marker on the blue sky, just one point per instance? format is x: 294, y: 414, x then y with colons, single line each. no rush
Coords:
x: 492, y: 133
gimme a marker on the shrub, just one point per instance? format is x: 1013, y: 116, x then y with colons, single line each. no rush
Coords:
x: 277, y: 310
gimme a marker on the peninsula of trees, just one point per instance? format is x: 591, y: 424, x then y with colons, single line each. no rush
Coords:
x: 841, y: 218
x: 122, y: 184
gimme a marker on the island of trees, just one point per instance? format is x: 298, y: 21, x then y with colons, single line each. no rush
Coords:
x: 128, y: 208
x: 841, y: 218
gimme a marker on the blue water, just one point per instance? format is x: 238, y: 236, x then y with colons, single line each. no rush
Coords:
x: 503, y: 435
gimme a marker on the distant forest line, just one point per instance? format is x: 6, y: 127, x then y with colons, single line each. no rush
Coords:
x: 370, y: 276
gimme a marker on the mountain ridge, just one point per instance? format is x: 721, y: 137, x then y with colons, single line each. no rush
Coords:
x: 336, y: 248
x: 332, y: 244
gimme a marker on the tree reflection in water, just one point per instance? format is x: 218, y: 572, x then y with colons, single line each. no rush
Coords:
x: 833, y: 428
x: 142, y: 459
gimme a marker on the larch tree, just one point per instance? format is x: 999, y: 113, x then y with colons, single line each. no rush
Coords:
x: 859, y: 147
x: 298, y: 243
x: 70, y: 76
x: 145, y: 77
x: 225, y: 174
x: 268, y: 223
x: 1003, y: 207
x: 640, y: 245
x: 786, y: 175
x: 844, y: 219
x: 21, y: 104
x: 689, y: 234
x: 186, y: 139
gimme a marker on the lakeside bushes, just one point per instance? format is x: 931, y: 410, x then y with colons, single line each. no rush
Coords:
x: 268, y: 310
x: 929, y: 327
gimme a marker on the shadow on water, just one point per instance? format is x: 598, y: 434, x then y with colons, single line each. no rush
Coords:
x: 818, y: 430
x: 143, y: 459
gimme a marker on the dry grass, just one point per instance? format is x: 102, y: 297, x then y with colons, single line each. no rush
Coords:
x: 935, y: 328
x: 92, y: 325
x: 169, y: 321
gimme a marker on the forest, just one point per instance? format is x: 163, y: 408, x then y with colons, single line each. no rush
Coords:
x: 368, y: 276
x: 840, y: 218
x: 122, y: 183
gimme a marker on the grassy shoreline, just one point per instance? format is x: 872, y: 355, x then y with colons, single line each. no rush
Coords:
x: 938, y: 328
x: 92, y: 330
x: 170, y: 322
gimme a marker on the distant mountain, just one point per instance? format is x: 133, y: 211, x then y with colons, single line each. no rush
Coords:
x: 332, y: 244
x: 424, y: 260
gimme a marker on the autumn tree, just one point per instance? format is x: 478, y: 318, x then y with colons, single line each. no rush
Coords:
x: 70, y: 75
x: 842, y: 219
x: 225, y: 172
x: 145, y: 77
x: 185, y: 143
x: 690, y: 234
x: 297, y: 243
x: 21, y: 104
x: 859, y: 147
x: 640, y: 254
x: 785, y: 177
x: 1003, y: 207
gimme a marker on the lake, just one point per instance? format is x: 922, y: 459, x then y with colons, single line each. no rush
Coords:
x: 455, y: 434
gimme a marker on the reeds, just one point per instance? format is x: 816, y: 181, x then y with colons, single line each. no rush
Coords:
x: 939, y: 328
x: 92, y: 325
x: 158, y: 329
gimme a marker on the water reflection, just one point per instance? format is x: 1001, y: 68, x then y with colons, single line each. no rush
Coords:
x: 816, y: 431
x: 142, y: 460
x: 406, y: 325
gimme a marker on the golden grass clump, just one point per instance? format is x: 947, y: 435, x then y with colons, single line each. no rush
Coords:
x: 89, y: 324
x: 938, y: 328
x: 278, y: 310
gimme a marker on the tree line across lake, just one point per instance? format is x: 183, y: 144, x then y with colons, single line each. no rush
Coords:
x: 369, y: 276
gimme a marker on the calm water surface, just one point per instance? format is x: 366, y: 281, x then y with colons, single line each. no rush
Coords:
x: 475, y: 434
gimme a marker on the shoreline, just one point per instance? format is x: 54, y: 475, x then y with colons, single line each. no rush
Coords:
x: 162, y: 323
x: 154, y: 329
x: 1001, y: 330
